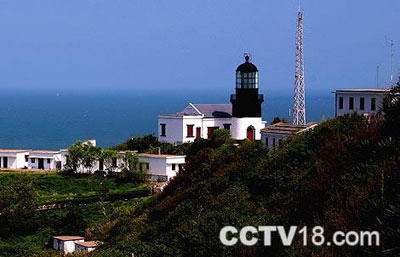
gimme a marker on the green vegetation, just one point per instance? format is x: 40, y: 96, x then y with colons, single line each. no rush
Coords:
x: 343, y: 175
x: 25, y: 231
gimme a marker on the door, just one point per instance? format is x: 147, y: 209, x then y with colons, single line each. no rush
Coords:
x: 5, y: 162
x: 250, y: 133
x: 198, y: 132
x: 101, y: 165
x: 41, y: 164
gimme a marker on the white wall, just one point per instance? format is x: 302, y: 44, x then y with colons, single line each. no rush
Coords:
x: 162, y: 166
x: 240, y: 125
x: 65, y: 246
x: 271, y: 137
x: 51, y: 165
x: 357, y: 95
x: 174, y: 129
x: 14, y: 160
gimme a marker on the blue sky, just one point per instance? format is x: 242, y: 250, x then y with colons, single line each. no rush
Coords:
x: 179, y: 44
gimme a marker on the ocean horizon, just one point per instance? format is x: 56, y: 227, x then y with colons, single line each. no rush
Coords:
x: 49, y: 119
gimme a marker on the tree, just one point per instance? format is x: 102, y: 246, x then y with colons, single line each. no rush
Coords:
x: 18, y: 203
x: 108, y: 155
x: 134, y: 169
x: 83, y: 155
x: 391, y: 112
x: 277, y: 120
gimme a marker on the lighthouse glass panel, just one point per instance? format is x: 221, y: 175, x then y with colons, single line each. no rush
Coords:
x: 246, y: 79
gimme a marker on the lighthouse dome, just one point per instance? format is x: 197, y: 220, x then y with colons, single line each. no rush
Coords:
x: 247, y: 66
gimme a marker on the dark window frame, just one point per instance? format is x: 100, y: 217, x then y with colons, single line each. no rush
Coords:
x: 163, y: 129
x: 362, y: 103
x: 373, y: 104
x: 173, y: 166
x: 351, y: 103
x: 33, y: 160
x: 189, y: 130
x: 341, y: 102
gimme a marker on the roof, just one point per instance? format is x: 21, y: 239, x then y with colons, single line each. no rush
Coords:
x: 247, y: 66
x: 88, y: 244
x: 364, y: 90
x: 215, y: 110
x: 160, y: 155
x: 13, y: 151
x: 68, y: 238
x: 286, y: 128
x: 45, y: 151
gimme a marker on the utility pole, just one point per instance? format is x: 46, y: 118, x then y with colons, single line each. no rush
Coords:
x: 299, y: 106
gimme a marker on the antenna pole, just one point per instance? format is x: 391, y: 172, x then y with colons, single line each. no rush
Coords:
x: 299, y: 106
x: 391, y: 45
x: 377, y: 76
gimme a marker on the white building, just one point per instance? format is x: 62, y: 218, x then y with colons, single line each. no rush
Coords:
x: 87, y: 246
x: 242, y: 117
x: 162, y: 167
x: 361, y: 101
x: 66, y: 244
x: 45, y: 160
x: 275, y: 134
x: 13, y: 159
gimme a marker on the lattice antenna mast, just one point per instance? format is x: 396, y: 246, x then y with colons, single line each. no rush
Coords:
x: 299, y: 106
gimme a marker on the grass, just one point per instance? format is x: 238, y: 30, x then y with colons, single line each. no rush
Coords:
x: 52, y: 186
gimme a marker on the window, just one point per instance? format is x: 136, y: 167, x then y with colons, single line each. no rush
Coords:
x: 26, y: 158
x: 198, y: 132
x: 147, y: 166
x: 280, y: 141
x: 114, y: 162
x: 189, y: 131
x: 33, y: 160
x: 227, y: 126
x: 351, y: 103
x: 373, y: 104
x: 341, y: 103
x: 266, y: 141
x: 362, y: 103
x: 273, y: 142
x: 163, y: 129
x: 173, y: 166
x: 48, y: 161
x: 210, y: 131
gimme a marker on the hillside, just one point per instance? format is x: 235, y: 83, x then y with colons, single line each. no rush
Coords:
x: 344, y: 175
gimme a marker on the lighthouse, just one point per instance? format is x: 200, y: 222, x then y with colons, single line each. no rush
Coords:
x: 242, y: 117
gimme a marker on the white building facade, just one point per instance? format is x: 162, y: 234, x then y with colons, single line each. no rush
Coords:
x: 361, y: 101
x: 13, y: 159
x: 66, y: 244
x: 242, y: 117
x: 274, y: 135
x: 162, y: 167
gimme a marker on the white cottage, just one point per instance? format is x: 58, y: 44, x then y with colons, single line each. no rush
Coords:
x: 242, y: 117
x: 66, y: 244
x: 361, y: 101
x: 45, y: 160
x: 162, y: 167
x: 13, y: 159
x: 87, y: 246
x: 275, y: 134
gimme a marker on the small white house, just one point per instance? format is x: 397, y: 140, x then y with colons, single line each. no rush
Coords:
x: 87, y: 246
x: 275, y: 134
x: 361, y: 101
x: 45, y: 160
x: 162, y: 167
x: 66, y: 244
x: 13, y: 159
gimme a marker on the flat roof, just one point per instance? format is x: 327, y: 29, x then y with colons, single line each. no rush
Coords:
x: 365, y: 90
x: 13, y: 151
x: 45, y: 151
x: 160, y: 155
x: 68, y: 238
x: 286, y: 128
x: 88, y: 243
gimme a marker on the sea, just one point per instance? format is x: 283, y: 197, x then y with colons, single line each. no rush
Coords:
x: 51, y: 120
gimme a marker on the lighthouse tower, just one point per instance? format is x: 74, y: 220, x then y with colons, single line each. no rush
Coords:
x: 247, y: 102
